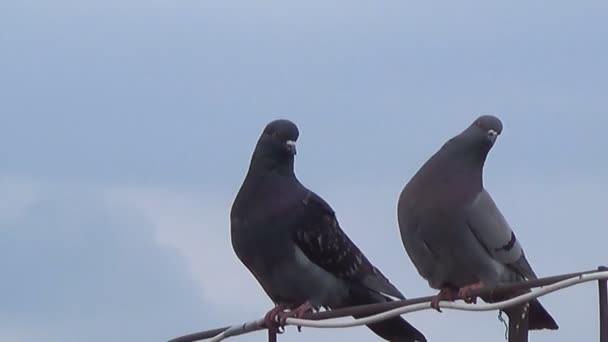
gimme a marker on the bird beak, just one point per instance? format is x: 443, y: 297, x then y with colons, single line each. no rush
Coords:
x: 492, y: 135
x: 291, y: 146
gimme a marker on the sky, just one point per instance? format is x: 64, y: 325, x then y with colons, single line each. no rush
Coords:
x: 126, y: 129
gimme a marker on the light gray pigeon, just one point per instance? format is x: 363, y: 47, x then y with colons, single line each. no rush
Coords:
x: 453, y: 231
x: 290, y: 240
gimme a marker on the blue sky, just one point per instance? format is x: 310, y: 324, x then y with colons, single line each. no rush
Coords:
x: 126, y: 128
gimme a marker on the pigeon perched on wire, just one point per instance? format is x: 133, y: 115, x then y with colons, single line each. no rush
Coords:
x: 453, y: 231
x: 290, y: 240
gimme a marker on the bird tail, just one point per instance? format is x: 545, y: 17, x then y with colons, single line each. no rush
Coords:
x: 394, y: 329
x: 539, y: 317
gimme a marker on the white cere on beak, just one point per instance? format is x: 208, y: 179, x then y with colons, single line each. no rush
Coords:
x: 492, y: 133
x: 290, y: 143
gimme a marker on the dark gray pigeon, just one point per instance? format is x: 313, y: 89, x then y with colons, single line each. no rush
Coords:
x: 290, y: 240
x: 453, y: 231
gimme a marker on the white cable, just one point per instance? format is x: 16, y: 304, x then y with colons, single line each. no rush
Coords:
x: 535, y: 293
x: 239, y: 330
x: 345, y: 322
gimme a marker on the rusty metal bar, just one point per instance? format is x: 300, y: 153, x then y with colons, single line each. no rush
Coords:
x: 372, y: 309
x: 272, y: 335
x: 519, y: 323
x: 365, y: 310
x: 603, y: 299
x: 203, y: 335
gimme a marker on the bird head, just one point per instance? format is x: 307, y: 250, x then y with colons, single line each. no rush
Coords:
x: 477, y: 140
x: 487, y: 128
x: 277, y: 144
x: 481, y: 134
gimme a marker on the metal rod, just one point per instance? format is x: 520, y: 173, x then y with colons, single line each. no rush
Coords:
x: 519, y: 323
x: 371, y: 309
x: 272, y: 335
x: 603, y: 299
x: 203, y: 335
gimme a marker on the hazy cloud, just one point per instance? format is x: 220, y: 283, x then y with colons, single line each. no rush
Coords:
x: 127, y: 127
x: 75, y: 268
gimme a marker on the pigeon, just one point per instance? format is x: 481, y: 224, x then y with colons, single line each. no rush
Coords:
x: 452, y: 230
x: 288, y: 237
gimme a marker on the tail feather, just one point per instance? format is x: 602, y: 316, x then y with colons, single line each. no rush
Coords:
x: 397, y: 330
x: 394, y: 329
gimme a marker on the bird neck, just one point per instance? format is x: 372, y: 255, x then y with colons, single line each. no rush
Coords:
x: 463, y: 165
x: 261, y: 165
x: 263, y: 181
x: 460, y: 149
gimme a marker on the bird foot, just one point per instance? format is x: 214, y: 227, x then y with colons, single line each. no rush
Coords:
x: 298, y: 312
x: 446, y: 293
x: 270, y: 319
x: 464, y: 292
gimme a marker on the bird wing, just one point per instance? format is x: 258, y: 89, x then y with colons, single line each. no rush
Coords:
x: 318, y: 235
x: 493, y: 231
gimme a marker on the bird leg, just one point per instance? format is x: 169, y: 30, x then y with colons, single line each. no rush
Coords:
x: 464, y: 292
x: 446, y: 293
x: 295, y: 313
x: 270, y: 319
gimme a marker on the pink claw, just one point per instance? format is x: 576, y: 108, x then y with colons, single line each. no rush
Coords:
x: 464, y: 292
x: 446, y: 293
x: 270, y: 319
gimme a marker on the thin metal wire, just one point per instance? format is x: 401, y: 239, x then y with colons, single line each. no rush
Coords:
x: 378, y: 312
x: 371, y: 309
x: 239, y: 330
x: 502, y: 320
x: 203, y: 335
x: 519, y: 300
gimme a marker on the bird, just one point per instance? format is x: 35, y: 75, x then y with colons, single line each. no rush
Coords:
x: 453, y: 231
x: 289, y: 238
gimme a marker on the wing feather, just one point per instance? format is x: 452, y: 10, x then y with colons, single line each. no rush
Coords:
x: 493, y: 231
x: 318, y: 235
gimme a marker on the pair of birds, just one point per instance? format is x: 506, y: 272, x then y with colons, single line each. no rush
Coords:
x: 290, y: 240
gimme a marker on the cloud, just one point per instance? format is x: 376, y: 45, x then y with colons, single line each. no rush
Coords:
x: 15, y: 196
x: 197, y: 227
x: 8, y: 337
x: 76, y: 268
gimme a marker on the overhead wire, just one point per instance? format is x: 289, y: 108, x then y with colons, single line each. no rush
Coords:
x: 345, y: 322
